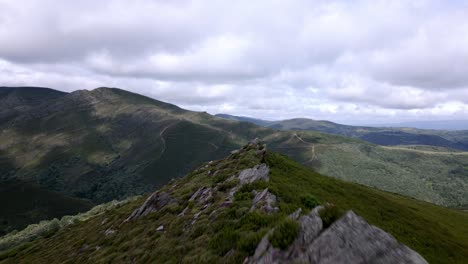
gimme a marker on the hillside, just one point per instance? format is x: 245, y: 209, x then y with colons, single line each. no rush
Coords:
x: 219, y: 212
x: 386, y: 136
x: 110, y: 144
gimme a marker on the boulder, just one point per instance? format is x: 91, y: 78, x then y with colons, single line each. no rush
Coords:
x: 264, y: 201
x: 202, y: 195
x: 155, y: 202
x: 258, y: 172
x: 348, y: 240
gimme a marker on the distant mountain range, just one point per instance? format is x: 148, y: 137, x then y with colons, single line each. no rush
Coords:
x: 386, y: 136
x: 437, y: 125
x: 89, y: 147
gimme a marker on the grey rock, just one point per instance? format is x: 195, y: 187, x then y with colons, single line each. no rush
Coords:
x: 349, y: 240
x: 264, y: 201
x: 202, y: 195
x: 255, y: 141
x: 160, y: 228
x: 258, y: 172
x: 109, y: 232
x: 295, y: 215
x: 155, y: 202
x: 183, y: 212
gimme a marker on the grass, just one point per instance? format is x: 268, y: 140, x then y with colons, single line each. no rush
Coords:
x: 229, y: 234
x: 113, y: 149
x: 284, y: 234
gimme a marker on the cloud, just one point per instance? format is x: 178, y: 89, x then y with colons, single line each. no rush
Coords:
x: 322, y: 59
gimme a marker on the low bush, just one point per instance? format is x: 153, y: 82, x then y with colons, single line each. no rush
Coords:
x: 284, y: 234
x: 309, y: 201
x: 248, y: 243
x: 329, y: 214
x: 224, y: 241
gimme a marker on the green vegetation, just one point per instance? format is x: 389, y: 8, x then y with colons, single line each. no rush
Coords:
x: 329, y: 214
x: 284, y: 234
x: 231, y: 233
x: 47, y: 228
x: 309, y: 201
x: 90, y: 147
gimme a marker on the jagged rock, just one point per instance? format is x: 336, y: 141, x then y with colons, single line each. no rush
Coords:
x: 265, y: 201
x: 295, y: 215
x: 202, y: 195
x: 183, y: 212
x: 235, y: 151
x: 109, y: 232
x: 258, y: 172
x: 255, y: 141
x: 155, y: 202
x: 160, y: 228
x: 349, y: 240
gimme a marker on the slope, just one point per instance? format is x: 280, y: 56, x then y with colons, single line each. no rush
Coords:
x: 386, y: 136
x: 110, y: 144
x: 189, y: 220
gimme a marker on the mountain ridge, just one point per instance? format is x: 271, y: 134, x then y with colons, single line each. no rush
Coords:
x: 218, y: 212
x: 110, y: 144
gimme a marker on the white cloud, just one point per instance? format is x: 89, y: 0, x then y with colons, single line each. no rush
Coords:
x: 339, y: 60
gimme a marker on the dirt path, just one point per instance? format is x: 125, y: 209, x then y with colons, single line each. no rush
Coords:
x: 161, y: 134
x: 214, y: 145
x: 314, y: 157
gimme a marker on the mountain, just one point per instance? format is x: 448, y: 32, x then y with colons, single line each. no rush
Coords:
x: 437, y: 125
x: 259, y: 122
x: 385, y: 136
x: 255, y: 206
x: 96, y: 146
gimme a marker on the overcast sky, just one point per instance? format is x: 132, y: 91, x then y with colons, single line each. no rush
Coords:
x: 346, y: 61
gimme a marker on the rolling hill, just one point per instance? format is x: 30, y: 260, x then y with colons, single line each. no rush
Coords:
x: 105, y: 144
x: 219, y: 213
x: 386, y: 136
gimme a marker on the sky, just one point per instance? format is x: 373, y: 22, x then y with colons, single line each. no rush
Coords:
x: 355, y: 62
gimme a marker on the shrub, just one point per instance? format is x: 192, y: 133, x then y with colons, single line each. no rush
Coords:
x: 224, y: 241
x: 309, y: 201
x: 255, y: 221
x: 227, y: 185
x: 284, y: 234
x: 329, y: 214
x: 248, y: 243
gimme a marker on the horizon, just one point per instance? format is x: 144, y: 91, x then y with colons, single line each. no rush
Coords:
x: 327, y: 62
x: 458, y: 124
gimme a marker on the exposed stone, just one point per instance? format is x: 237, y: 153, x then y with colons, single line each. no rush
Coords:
x: 264, y: 201
x: 258, y: 172
x: 160, y: 228
x: 348, y: 240
x: 234, y: 151
x: 254, y: 141
x: 109, y: 232
x: 202, y: 195
x: 155, y: 202
x: 295, y: 215
x: 183, y: 212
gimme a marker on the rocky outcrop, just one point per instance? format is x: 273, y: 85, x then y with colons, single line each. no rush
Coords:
x: 349, y: 240
x: 258, y: 172
x: 202, y: 195
x: 264, y: 201
x: 155, y: 202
